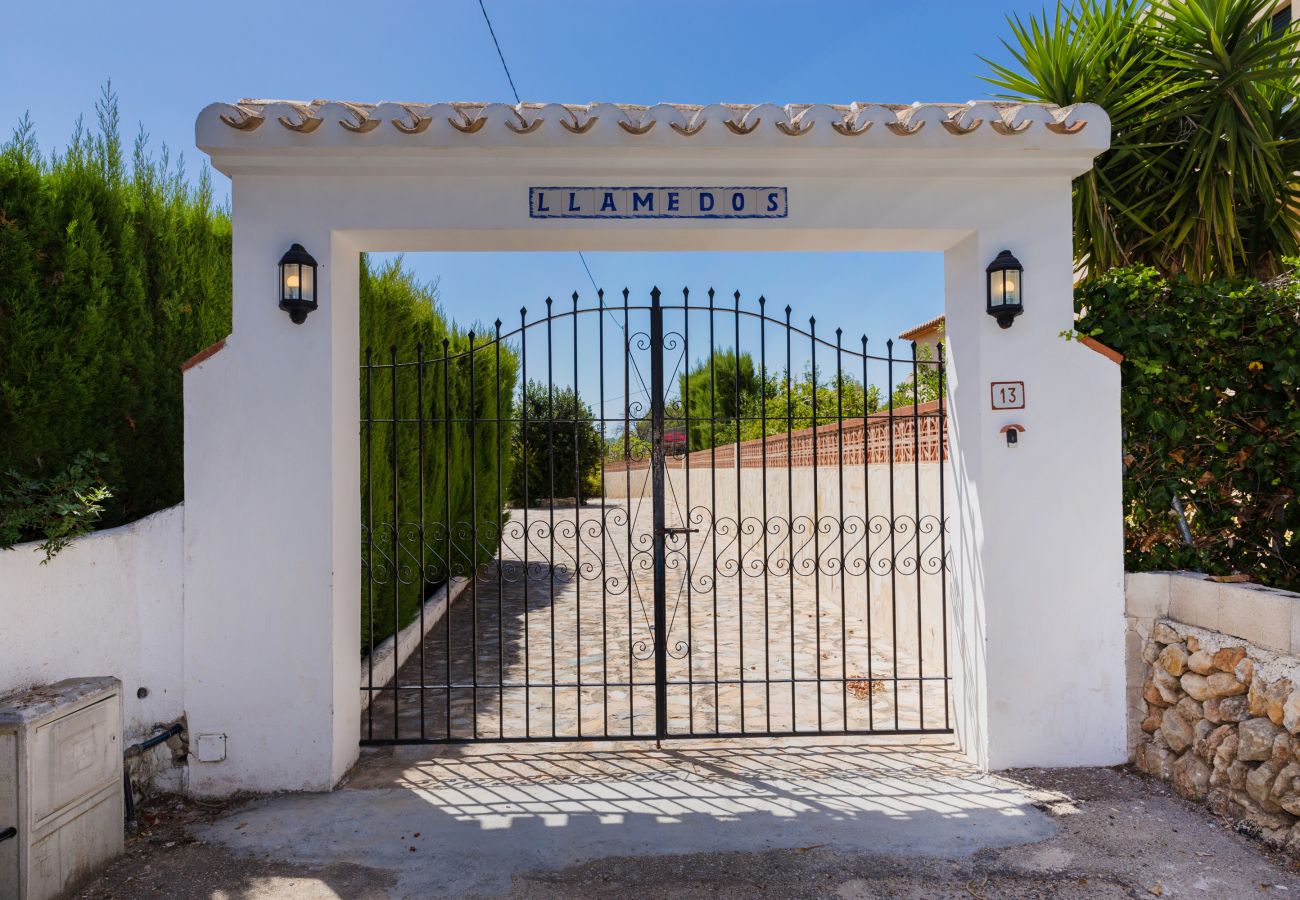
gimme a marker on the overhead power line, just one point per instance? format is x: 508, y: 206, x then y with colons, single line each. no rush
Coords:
x: 514, y: 90
x: 500, y: 55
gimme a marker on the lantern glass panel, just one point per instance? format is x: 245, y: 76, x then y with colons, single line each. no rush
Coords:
x: 1012, y: 286
x: 997, y: 289
x: 307, y: 283
x: 292, y: 287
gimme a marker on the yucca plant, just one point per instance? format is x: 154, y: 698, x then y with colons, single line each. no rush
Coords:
x: 1201, y: 178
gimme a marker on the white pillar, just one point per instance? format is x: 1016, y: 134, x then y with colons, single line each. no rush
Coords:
x: 272, y: 519
x: 1037, y: 616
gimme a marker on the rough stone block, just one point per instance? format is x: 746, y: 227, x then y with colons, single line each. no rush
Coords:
x: 1152, y: 695
x: 1291, y: 713
x: 1173, y: 659
x: 1224, y: 684
x: 1177, y: 731
x: 1190, y: 710
x: 1163, y: 633
x: 1155, y: 760
x: 1226, y: 659
x: 1259, y: 787
x: 1234, y: 709
x: 1170, y: 689
x: 1191, y: 777
x: 1195, y: 686
x: 1255, y: 738
x: 1201, y: 662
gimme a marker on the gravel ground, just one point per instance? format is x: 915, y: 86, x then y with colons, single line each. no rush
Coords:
x: 1117, y: 833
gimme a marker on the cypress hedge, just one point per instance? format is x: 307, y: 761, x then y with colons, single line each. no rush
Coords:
x: 462, y: 496
x: 1211, y: 407
x: 112, y: 271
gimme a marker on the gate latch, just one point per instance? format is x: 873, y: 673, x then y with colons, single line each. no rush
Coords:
x: 666, y: 531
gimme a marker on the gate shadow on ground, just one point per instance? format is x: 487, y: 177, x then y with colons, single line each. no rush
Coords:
x: 467, y: 819
x: 481, y: 637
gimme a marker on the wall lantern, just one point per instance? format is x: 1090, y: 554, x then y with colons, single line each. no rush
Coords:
x: 1005, y: 301
x: 297, y: 283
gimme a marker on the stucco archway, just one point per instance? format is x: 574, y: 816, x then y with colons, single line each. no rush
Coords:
x: 272, y: 517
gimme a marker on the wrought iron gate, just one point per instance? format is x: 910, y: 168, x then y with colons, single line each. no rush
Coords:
x: 654, y: 520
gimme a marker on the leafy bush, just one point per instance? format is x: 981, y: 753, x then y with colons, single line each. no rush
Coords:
x: 53, y: 510
x: 113, y: 270
x: 556, y: 450
x: 399, y: 319
x: 1211, y: 406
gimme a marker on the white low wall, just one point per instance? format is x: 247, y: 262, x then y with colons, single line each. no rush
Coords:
x: 109, y: 604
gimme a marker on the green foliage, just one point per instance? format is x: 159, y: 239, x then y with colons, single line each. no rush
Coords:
x: 1211, y: 416
x: 1201, y: 178
x: 921, y: 385
x: 53, y: 509
x: 113, y: 270
x: 400, y: 320
x: 785, y: 403
x: 556, y: 449
x: 713, y: 389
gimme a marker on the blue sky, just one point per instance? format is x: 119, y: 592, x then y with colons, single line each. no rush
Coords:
x: 168, y: 60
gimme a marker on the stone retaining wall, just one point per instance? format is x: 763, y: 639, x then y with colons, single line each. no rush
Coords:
x: 1215, y: 696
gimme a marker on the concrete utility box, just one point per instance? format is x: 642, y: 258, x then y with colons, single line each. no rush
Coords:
x: 60, y: 785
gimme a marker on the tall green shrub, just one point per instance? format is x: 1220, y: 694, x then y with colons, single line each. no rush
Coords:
x: 461, y: 499
x: 556, y: 450
x: 1200, y: 177
x: 1211, y: 407
x: 113, y: 270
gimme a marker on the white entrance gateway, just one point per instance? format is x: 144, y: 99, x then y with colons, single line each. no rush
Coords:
x: 272, y: 509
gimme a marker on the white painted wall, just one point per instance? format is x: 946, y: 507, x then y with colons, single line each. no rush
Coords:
x: 108, y: 604
x: 272, y: 452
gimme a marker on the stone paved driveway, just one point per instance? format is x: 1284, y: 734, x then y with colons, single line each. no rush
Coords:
x: 555, y: 639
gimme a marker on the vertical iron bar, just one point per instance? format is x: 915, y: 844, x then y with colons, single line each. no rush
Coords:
x: 893, y: 527
x: 740, y: 536
x: 943, y: 532
x: 526, y: 502
x: 789, y: 485
x: 421, y: 580
x: 627, y: 472
x: 473, y: 414
x: 500, y: 549
x: 713, y: 516
x: 446, y: 492
x: 762, y: 441
x: 866, y: 540
x: 816, y: 520
x: 604, y: 596
x: 577, y: 521
x: 839, y: 464
x: 550, y: 454
x: 657, y: 474
x: 916, y: 482
x: 686, y: 523
x: 397, y: 527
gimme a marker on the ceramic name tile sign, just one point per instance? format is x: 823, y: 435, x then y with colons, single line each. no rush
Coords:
x: 657, y: 203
